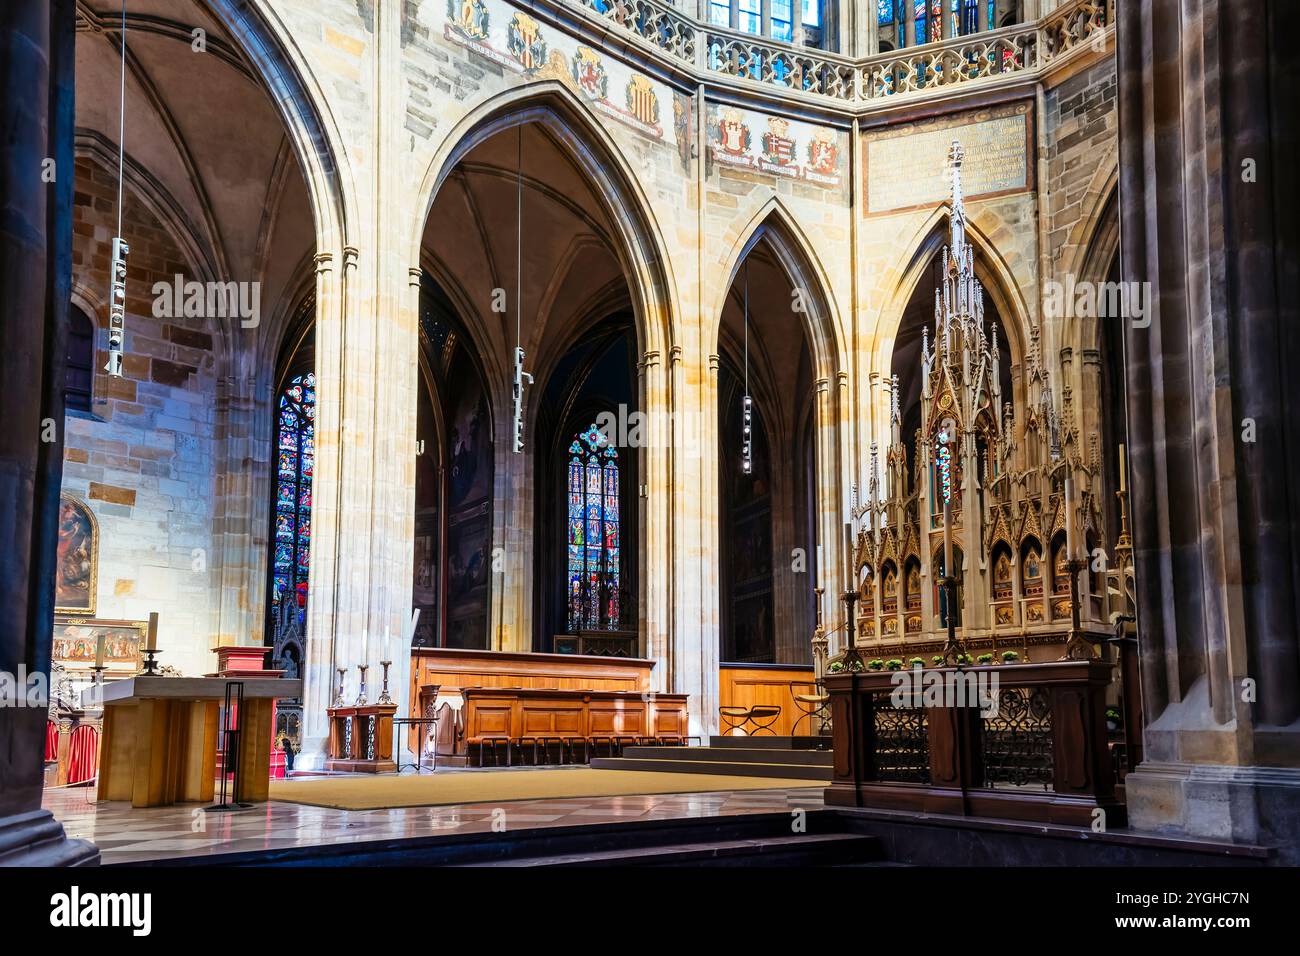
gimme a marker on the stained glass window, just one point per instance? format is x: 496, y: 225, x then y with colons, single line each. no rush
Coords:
x: 782, y: 14
x: 296, y: 458
x: 593, y: 533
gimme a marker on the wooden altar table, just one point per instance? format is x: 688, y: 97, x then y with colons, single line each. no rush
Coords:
x: 160, y: 738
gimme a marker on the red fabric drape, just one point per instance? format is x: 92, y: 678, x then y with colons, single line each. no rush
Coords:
x: 83, y: 754
x: 51, y: 740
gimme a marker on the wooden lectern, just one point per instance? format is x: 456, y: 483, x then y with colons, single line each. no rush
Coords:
x: 361, y: 738
x: 160, y: 738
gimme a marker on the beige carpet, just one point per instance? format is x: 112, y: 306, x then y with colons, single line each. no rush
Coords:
x: 500, y: 786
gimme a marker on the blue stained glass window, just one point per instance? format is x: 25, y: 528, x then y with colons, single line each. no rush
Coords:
x: 782, y: 20
x: 812, y: 12
x: 749, y: 15
x: 593, y: 533
x: 295, y: 450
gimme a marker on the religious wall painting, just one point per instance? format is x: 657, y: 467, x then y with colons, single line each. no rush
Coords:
x: 1060, y: 566
x: 1031, y: 573
x: 1001, y: 573
x: 912, y: 585
x: 1003, y: 615
x: 1034, y: 613
x: 752, y: 626
x: 76, y: 644
x: 889, y: 588
x: 468, y: 567
x: 683, y: 128
x: 912, y: 625
x: 470, y: 452
x: 867, y: 589
x: 76, y: 574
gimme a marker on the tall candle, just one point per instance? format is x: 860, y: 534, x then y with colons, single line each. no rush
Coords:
x: 152, y: 644
x: 1069, y: 519
x: 1123, y: 469
x: 99, y: 651
x: 365, y: 646
x: 947, y: 539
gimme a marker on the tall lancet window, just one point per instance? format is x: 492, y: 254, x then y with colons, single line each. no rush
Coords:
x: 295, y: 436
x: 593, y: 532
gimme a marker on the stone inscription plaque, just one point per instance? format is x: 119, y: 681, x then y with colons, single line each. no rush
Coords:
x: 909, y: 168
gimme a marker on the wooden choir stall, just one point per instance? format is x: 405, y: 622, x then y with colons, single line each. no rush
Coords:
x: 498, y: 707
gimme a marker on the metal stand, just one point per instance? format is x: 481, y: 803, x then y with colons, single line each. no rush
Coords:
x: 953, y: 651
x: 383, y: 694
x: 150, y: 665
x: 852, y: 660
x: 231, y: 732
x: 1078, y: 647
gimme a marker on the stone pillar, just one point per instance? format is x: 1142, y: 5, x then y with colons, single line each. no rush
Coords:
x: 36, y: 86
x: 682, y: 605
x: 1207, y: 132
x: 367, y: 353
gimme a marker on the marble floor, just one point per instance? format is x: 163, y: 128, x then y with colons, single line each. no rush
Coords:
x: 127, y: 835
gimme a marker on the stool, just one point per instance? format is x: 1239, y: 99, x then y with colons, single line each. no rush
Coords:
x: 572, y: 744
x: 810, y: 706
x: 547, y: 740
x: 739, y: 718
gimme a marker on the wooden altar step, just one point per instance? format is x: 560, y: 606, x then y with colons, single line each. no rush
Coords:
x: 782, y: 757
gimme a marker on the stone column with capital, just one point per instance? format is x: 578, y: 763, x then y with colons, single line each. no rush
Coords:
x: 1207, y: 193
x: 36, y: 179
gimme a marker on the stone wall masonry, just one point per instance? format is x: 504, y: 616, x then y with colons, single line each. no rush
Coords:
x: 143, y: 459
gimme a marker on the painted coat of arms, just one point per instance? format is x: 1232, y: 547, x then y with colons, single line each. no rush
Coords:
x: 469, y: 18
x: 823, y: 154
x: 524, y: 40
x: 733, y: 134
x: 589, y: 73
x: 642, y: 101
x: 778, y: 147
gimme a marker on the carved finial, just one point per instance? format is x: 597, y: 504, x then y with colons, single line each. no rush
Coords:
x: 894, y: 413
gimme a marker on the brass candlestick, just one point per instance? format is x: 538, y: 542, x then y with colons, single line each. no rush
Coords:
x: 383, y: 694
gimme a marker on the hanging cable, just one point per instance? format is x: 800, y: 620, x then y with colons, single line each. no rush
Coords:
x: 747, y: 409
x: 520, y: 374
x: 117, y: 274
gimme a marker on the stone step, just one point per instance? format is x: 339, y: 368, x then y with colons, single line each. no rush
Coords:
x: 817, y: 758
x: 789, y: 771
x: 767, y: 742
x: 806, y: 849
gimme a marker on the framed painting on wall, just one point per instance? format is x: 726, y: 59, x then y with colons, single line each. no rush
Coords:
x: 76, y: 641
x: 76, y: 573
